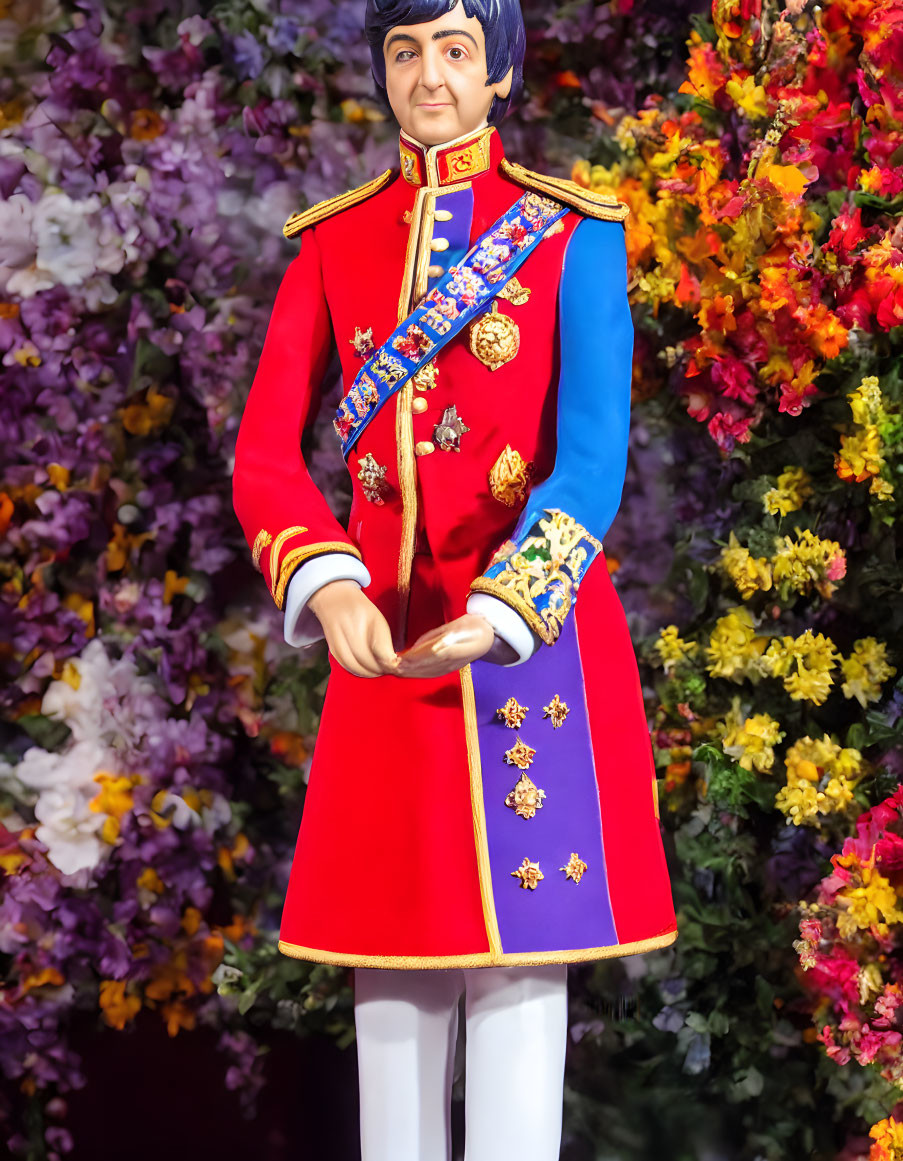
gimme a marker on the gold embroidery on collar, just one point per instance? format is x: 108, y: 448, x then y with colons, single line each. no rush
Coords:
x: 442, y: 165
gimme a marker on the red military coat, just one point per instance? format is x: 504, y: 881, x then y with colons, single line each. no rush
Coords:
x: 500, y: 814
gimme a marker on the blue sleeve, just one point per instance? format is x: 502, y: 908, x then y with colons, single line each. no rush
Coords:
x: 560, y: 530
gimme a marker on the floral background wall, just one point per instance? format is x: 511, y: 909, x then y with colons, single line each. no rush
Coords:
x: 155, y: 732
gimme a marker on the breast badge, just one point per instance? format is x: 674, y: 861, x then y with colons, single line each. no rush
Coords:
x: 363, y: 342
x: 529, y: 874
x: 512, y: 713
x: 372, y: 477
x: 574, y: 868
x: 449, y: 430
x: 509, y: 477
x: 494, y: 338
x: 526, y: 797
x: 426, y: 378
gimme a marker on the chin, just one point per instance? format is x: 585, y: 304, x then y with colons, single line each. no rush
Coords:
x: 436, y: 128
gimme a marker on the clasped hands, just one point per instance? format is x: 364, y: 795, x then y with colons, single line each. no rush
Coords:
x: 359, y: 637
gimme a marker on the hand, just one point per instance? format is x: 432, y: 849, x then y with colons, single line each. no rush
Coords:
x: 357, y: 633
x: 447, y: 648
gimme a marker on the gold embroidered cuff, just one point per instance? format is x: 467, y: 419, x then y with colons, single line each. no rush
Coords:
x: 483, y: 584
x: 297, y: 555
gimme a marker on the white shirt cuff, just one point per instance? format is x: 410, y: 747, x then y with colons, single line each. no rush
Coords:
x: 507, y: 624
x: 301, y: 624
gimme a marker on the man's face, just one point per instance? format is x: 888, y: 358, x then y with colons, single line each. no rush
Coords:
x: 436, y: 77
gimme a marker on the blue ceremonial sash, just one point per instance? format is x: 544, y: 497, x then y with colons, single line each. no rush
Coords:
x: 462, y: 293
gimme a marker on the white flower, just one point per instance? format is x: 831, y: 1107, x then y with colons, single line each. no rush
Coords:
x: 69, y: 829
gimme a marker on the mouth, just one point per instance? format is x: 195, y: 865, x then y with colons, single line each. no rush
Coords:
x: 435, y: 104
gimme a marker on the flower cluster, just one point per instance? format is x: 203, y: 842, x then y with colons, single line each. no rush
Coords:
x: 877, y: 438
x: 848, y: 947
x: 808, y: 97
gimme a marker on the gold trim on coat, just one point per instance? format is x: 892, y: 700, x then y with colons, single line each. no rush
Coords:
x: 325, y: 209
x: 295, y: 557
x: 484, y: 584
x: 479, y: 958
x: 484, y: 870
x: 587, y: 201
x: 413, y: 287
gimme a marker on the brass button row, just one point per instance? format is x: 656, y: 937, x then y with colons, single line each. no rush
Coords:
x: 423, y: 447
x: 419, y: 404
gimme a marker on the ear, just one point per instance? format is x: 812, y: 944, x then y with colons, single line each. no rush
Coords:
x: 502, y: 88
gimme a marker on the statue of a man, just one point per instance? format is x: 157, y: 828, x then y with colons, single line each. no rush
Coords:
x: 481, y: 808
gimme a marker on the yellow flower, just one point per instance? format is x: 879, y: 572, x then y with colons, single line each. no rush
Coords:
x: 888, y: 1136
x: 734, y: 649
x: 865, y: 401
x: 865, y: 669
x: 808, y: 562
x: 869, y: 907
x: 118, y: 1008
x: 821, y: 777
x: 750, y: 574
x: 804, y: 664
x: 114, y: 799
x: 881, y: 489
x: 672, y: 649
x: 794, y: 487
x: 748, y: 96
x: 752, y: 742
x: 860, y: 455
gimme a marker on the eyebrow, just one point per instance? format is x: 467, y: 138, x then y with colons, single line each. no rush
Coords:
x: 441, y: 35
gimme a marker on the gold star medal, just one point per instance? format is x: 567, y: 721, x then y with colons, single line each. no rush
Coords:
x: 512, y: 713
x: 574, y: 867
x: 529, y: 874
x: 557, y: 710
x: 526, y: 797
x: 520, y: 755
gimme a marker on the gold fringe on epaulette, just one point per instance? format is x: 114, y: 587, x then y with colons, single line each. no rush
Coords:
x: 326, y: 209
x: 586, y: 201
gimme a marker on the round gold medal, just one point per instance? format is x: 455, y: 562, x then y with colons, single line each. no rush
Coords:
x: 494, y: 338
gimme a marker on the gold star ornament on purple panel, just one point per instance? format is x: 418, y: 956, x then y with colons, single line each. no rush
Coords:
x: 526, y: 797
x: 520, y: 755
x: 529, y: 874
x: 557, y: 710
x: 574, y: 868
x: 512, y: 713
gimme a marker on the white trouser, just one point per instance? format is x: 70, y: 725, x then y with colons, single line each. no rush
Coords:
x: 407, y: 1023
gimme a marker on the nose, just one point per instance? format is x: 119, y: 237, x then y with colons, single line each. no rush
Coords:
x: 430, y: 71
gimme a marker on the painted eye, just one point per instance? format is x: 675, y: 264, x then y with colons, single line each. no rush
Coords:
x: 459, y: 53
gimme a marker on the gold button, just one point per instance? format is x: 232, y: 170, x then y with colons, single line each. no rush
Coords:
x: 439, y: 244
x: 435, y: 271
x: 443, y: 215
x: 419, y: 404
x: 424, y: 447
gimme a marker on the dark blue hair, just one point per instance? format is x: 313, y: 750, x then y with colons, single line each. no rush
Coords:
x: 503, y: 28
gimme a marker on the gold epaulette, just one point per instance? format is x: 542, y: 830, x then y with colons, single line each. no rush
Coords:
x: 585, y: 201
x: 322, y: 210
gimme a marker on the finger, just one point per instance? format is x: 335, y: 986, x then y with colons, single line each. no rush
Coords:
x: 381, y: 646
x: 355, y: 659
